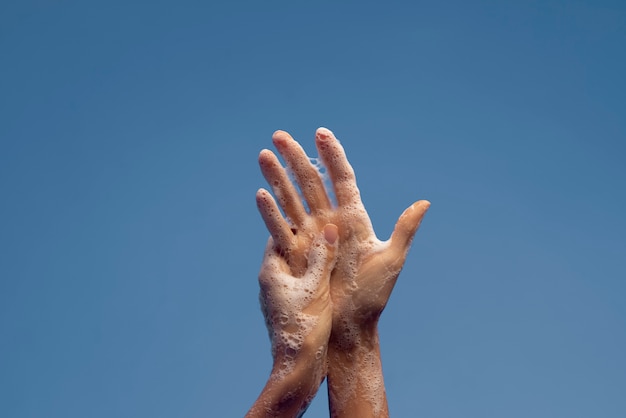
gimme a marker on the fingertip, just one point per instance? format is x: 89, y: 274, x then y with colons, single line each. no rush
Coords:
x: 323, y: 133
x: 280, y: 137
x: 261, y: 193
x: 262, y: 197
x: 331, y: 233
x: 265, y: 158
x: 424, y: 205
x: 264, y: 153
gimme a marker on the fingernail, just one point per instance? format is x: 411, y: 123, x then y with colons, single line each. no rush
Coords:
x: 280, y: 138
x: 323, y: 133
x: 331, y: 233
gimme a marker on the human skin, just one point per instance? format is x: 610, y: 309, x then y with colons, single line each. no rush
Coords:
x: 365, y: 272
x: 295, y: 301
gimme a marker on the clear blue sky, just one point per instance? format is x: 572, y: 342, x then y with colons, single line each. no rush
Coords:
x: 129, y: 237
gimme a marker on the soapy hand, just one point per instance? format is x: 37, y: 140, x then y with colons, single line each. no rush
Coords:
x: 367, y: 268
x: 295, y: 300
x: 322, y: 303
x: 365, y: 272
x: 297, y: 307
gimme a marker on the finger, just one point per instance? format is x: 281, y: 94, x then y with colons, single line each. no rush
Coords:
x: 340, y: 171
x: 305, y: 174
x: 275, y: 223
x: 286, y: 194
x: 407, y: 225
x: 322, y: 255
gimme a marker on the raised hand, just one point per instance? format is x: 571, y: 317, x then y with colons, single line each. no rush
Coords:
x: 297, y: 310
x: 295, y: 300
x: 367, y: 268
x: 365, y: 273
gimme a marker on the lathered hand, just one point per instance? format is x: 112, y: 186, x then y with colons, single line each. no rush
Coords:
x: 295, y: 300
x: 365, y: 273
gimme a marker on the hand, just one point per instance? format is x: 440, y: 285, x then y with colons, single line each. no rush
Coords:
x: 367, y: 268
x: 365, y: 273
x: 297, y: 309
x: 295, y: 301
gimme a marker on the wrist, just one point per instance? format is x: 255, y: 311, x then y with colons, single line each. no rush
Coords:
x: 294, y: 381
x: 292, y: 384
x: 349, y: 336
x: 309, y: 360
x: 301, y: 344
x: 355, y: 377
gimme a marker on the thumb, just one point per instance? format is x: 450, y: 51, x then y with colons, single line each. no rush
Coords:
x: 407, y: 225
x: 323, y: 253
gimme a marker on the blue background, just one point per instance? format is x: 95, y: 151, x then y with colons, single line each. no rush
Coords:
x: 130, y: 242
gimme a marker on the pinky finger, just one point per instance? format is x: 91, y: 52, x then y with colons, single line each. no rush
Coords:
x: 274, y: 221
